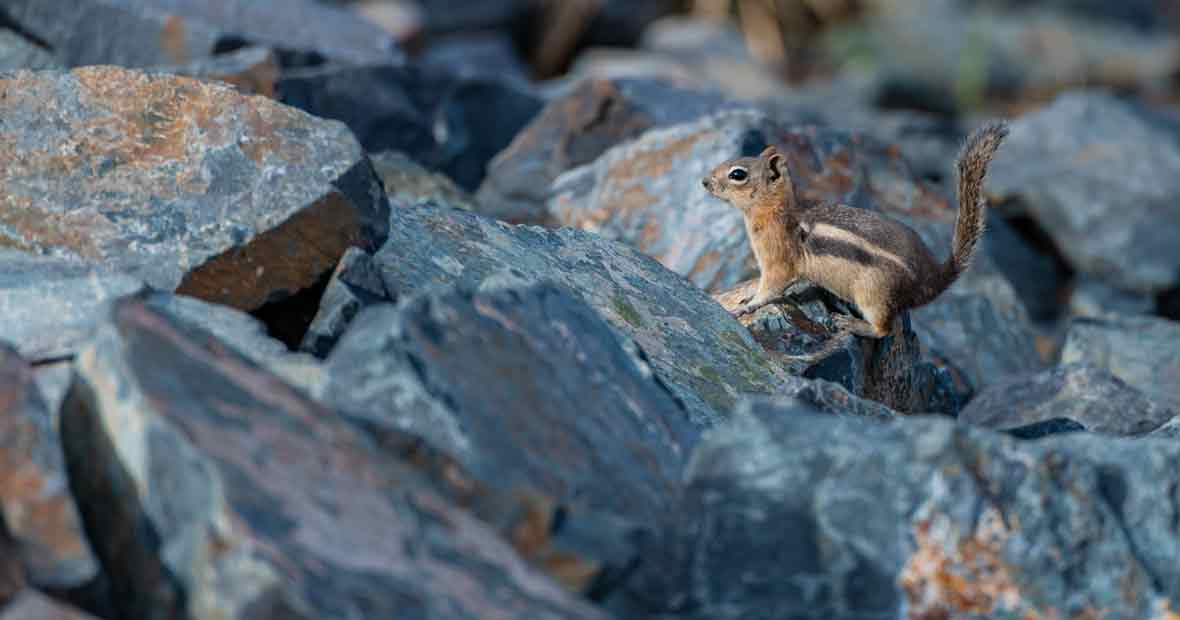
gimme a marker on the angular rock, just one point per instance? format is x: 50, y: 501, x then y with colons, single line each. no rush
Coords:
x: 32, y: 605
x: 47, y: 304
x: 476, y: 55
x: 794, y: 514
x: 213, y: 489
x: 144, y: 33
x: 252, y: 70
x: 190, y: 186
x: 35, y: 502
x: 1093, y: 298
x: 16, y: 52
x: 1096, y: 174
x: 573, y: 130
x: 524, y: 386
x: 408, y: 183
x: 1093, y: 398
x: 1143, y: 352
x: 698, y: 350
x: 356, y: 283
x: 446, y: 123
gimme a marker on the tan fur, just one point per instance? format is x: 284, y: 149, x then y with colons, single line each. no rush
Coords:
x: 861, y: 256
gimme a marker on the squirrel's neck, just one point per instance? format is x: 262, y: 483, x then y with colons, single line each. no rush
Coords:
x: 769, y: 229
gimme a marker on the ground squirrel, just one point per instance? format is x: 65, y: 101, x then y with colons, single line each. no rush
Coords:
x: 861, y: 256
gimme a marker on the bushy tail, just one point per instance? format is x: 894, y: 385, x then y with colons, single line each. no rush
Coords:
x: 970, y: 225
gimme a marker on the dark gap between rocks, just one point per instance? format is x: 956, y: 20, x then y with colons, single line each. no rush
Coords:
x: 1167, y: 304
x: 8, y: 23
x: 1031, y: 233
x: 287, y: 320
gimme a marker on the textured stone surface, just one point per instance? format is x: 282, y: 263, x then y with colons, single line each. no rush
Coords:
x: 704, y: 356
x: 1093, y: 398
x: 793, y: 514
x: 1097, y: 175
x: 1144, y: 352
x: 574, y: 129
x: 524, y: 386
x: 252, y: 70
x: 16, y: 52
x: 444, y: 122
x: 32, y: 605
x: 142, y: 33
x: 35, y: 499
x: 47, y: 304
x: 188, y: 185
x: 259, y: 502
x: 356, y: 283
x: 408, y: 183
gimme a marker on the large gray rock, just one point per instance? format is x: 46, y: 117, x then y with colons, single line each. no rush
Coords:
x: 1097, y: 175
x: 47, y: 304
x: 188, y: 185
x: 143, y: 33
x: 36, y: 508
x: 696, y: 348
x: 17, y: 52
x: 525, y: 386
x: 1093, y: 398
x: 212, y: 489
x: 793, y: 514
x: 1142, y: 351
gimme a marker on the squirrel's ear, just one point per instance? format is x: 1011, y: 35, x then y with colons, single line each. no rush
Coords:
x: 776, y: 166
x: 767, y: 152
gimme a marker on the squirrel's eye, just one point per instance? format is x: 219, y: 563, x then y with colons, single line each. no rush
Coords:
x: 737, y: 174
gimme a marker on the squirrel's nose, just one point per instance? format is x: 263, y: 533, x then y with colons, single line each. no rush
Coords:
x: 705, y: 182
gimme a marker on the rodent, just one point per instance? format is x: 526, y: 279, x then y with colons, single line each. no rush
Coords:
x: 861, y: 256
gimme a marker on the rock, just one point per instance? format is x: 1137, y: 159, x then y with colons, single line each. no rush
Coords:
x: 446, y: 123
x: 573, y: 130
x: 188, y: 185
x: 525, y: 386
x: 356, y: 283
x: 47, y: 304
x: 1039, y: 278
x: 1092, y: 398
x: 694, y: 347
x: 30, y: 604
x: 252, y: 70
x: 475, y: 55
x: 1095, y: 173
x: 715, y: 51
x: 39, y: 514
x: 794, y: 514
x: 407, y: 183
x: 889, y: 371
x: 401, y: 18
x: 824, y: 396
x: 168, y: 32
x: 447, y: 16
x: 1140, y: 351
x: 17, y: 52
x: 12, y: 575
x: 213, y: 489
x: 1093, y: 298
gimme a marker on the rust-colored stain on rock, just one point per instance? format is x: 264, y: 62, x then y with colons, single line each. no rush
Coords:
x: 173, y: 37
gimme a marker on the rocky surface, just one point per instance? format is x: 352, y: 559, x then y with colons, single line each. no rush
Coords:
x: 817, y: 516
x: 274, y: 505
x: 252, y: 70
x: 408, y: 183
x: 355, y: 283
x: 16, y: 52
x: 1140, y: 351
x: 39, y: 513
x: 527, y: 386
x: 1093, y: 399
x: 163, y: 177
x: 167, y: 32
x: 695, y: 347
x: 442, y: 121
x: 30, y: 604
x: 1096, y: 174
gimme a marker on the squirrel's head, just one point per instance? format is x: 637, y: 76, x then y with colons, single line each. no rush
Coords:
x: 748, y: 182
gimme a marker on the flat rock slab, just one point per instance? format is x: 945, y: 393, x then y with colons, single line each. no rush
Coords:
x: 694, y: 346
x: 444, y: 122
x: 215, y: 490
x: 526, y: 386
x: 35, y: 502
x: 188, y: 185
x: 819, y: 516
x: 1093, y: 398
x: 1142, y: 351
x: 574, y: 129
x: 143, y: 33
x: 1097, y: 175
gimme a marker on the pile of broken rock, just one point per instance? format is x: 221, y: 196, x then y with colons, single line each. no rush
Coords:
x: 360, y: 337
